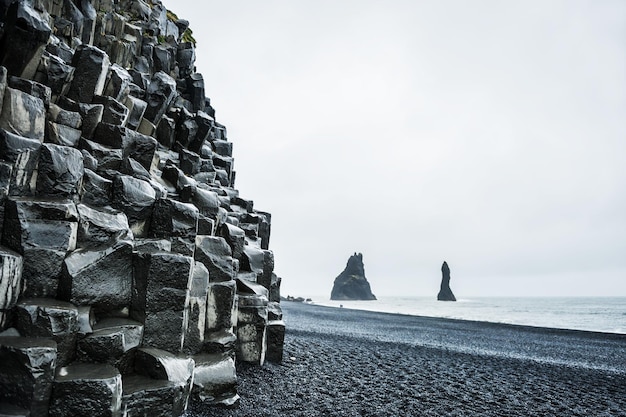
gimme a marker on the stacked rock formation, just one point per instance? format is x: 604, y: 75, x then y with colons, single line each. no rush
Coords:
x: 351, y: 284
x: 132, y: 273
x: 445, y: 292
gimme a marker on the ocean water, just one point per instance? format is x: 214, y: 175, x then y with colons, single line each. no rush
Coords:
x: 600, y: 314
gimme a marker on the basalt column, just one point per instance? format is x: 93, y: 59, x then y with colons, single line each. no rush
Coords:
x: 133, y: 274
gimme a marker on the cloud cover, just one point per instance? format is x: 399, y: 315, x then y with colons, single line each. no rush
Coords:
x: 488, y: 134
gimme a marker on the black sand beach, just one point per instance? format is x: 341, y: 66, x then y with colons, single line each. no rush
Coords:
x: 341, y: 362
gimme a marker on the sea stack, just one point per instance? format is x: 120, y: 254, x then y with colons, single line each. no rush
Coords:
x: 351, y: 284
x: 445, y: 293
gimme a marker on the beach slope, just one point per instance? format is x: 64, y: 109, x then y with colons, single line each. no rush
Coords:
x: 341, y: 362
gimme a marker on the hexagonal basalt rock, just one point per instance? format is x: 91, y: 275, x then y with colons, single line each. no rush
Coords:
x: 86, y: 390
x: 27, y: 372
x: 121, y: 232
x: 45, y: 317
x: 160, y: 298
x: 101, y: 277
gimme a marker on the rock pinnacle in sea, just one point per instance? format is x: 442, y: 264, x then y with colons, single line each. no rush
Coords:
x: 351, y: 284
x: 445, y: 293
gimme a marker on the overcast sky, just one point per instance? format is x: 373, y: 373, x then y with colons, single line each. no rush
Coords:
x: 490, y: 134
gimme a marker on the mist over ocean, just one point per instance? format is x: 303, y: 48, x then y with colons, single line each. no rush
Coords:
x: 600, y: 314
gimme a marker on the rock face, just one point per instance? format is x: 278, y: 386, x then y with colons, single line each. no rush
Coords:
x: 351, y: 284
x: 133, y: 275
x: 445, y: 293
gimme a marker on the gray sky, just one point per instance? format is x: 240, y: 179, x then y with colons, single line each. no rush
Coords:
x: 490, y: 134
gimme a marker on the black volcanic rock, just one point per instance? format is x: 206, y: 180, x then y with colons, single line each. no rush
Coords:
x: 351, y: 284
x: 121, y: 232
x: 445, y: 293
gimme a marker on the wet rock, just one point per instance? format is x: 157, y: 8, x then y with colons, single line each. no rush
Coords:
x: 23, y: 154
x: 275, y: 340
x: 252, y: 260
x: 95, y: 158
x: 100, y: 226
x: 165, y: 131
x: 215, y: 254
x: 143, y: 396
x: 39, y: 222
x: 32, y: 88
x: 198, y: 291
x: 118, y: 84
x: 43, y: 232
x: 251, y: 322
x: 46, y: 317
x: 235, y: 237
x: 133, y: 168
x: 86, y: 390
x: 23, y: 114
x: 114, y: 112
x: 223, y: 147
x: 26, y: 32
x: 92, y: 65
x: 221, y: 312
x: 153, y: 245
x: 160, y: 298
x: 96, y: 190
x: 112, y: 341
x: 275, y: 288
x: 159, y: 95
x: 27, y: 373
x: 134, y: 145
x: 10, y: 283
x: 207, y: 201
x: 107, y: 157
x: 60, y: 171
x: 351, y: 284
x: 59, y: 134
x: 136, y: 109
x: 221, y: 341
x: 56, y: 74
x: 186, y: 58
x: 162, y: 365
x: 172, y: 218
x: 215, y: 380
x: 89, y: 20
x: 101, y: 277
x: 195, y: 91
x: 64, y: 117
x: 163, y: 58
x: 90, y: 113
x: 190, y: 162
x: 445, y: 293
x: 135, y: 198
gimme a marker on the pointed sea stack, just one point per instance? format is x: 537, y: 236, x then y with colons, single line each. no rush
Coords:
x: 351, y: 284
x: 445, y: 293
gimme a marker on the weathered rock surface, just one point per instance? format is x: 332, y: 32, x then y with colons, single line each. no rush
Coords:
x: 101, y: 384
x: 27, y: 373
x: 445, y: 293
x: 351, y: 284
x: 128, y: 261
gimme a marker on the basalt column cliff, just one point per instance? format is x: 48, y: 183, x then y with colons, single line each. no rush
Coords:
x: 132, y: 273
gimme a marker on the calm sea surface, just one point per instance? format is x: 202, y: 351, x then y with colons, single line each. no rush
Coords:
x: 602, y: 314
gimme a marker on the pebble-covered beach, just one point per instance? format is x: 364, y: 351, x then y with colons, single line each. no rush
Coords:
x: 341, y: 362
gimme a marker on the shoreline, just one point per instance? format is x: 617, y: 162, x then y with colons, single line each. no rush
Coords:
x: 590, y: 314
x: 341, y: 362
x: 481, y: 322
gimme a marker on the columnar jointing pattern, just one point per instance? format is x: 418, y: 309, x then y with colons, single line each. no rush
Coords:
x: 132, y: 274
